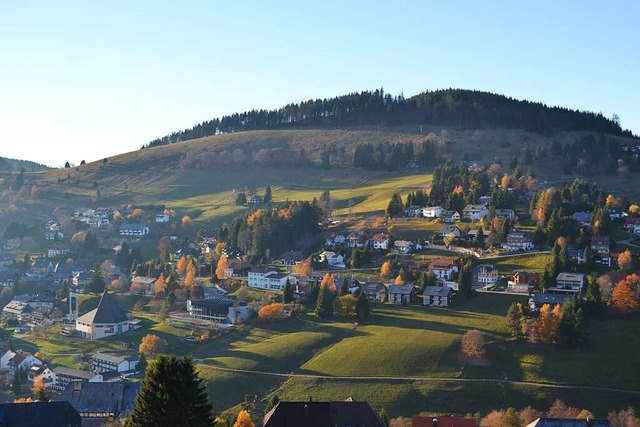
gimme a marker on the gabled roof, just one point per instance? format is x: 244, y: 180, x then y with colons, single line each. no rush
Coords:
x: 133, y: 226
x: 443, y: 422
x: 48, y: 414
x: 437, y: 291
x: 112, y: 358
x: 74, y: 373
x: 441, y: 264
x: 107, y: 312
x: 401, y: 289
x: 321, y: 414
x: 570, y: 422
x: 111, y: 397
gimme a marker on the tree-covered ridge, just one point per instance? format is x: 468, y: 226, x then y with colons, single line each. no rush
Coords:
x: 457, y: 108
x: 15, y: 165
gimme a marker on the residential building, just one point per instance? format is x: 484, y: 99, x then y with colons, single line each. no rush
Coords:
x: 357, y: 239
x: 437, y: 296
x: 538, y: 300
x: 505, y: 214
x: 379, y: 241
x: 375, y: 291
x: 42, y: 266
x: 600, y: 245
x: 105, y: 321
x: 39, y: 414
x: 432, y: 212
x: 64, y: 376
x: 162, y: 218
x: 57, y: 249
x: 43, y: 371
x: 405, y: 247
x: 133, y: 229
x: 269, y: 279
x: 220, y: 309
x: 19, y: 361
x: 450, y: 217
x: 422, y: 421
x: 255, y: 200
x: 450, y: 231
x: 17, y: 310
x: 81, y: 279
x: 518, y: 241
x: 413, y: 211
x: 523, y: 281
x: 570, y: 422
x: 336, y: 240
x: 322, y: 414
x: 333, y: 260
x: 484, y: 200
x: 568, y: 283
x: 443, y: 268
x: 100, y: 404
x: 616, y: 214
x: 632, y: 224
x: 402, y: 294
x: 143, y: 285
x: 474, y: 212
x: 105, y: 362
x: 485, y: 274
x: 97, y: 222
x: 238, y: 268
x: 292, y: 257
x: 576, y: 255
x: 583, y: 218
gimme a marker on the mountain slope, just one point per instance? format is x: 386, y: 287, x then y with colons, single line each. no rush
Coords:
x: 14, y: 165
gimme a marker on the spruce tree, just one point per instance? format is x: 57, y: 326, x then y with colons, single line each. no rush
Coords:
x: 344, y: 289
x: 594, y: 297
x: 514, y: 320
x: 362, y: 306
x: 172, y: 395
x: 324, y: 306
x: 267, y: 195
x: 287, y: 294
x: 96, y: 283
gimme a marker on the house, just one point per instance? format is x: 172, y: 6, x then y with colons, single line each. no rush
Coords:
x: 570, y: 422
x: 53, y: 235
x: 450, y: 231
x: 143, y: 285
x: 255, y: 200
x: 105, y: 321
x: 375, y: 291
x: 64, y: 271
x: 484, y: 200
x: 505, y: 214
x: 474, y: 212
x: 43, y: 316
x: 437, y: 296
x: 18, y: 361
x: 576, y: 255
x: 105, y: 362
x: 43, y: 371
x: 538, y: 300
x: 292, y: 257
x: 632, y: 225
x: 616, y: 214
x: 600, y: 245
x: 57, y: 249
x: 7, y: 277
x: 101, y: 403
x: 475, y: 165
x: 64, y: 376
x: 379, y: 241
x: 238, y: 268
x: 485, y: 274
x: 336, y: 240
x: 443, y: 268
x: 523, y: 281
x: 333, y: 260
x: 583, y: 218
x: 81, y: 279
x: 472, y: 234
x: 568, y: 283
x: 133, y: 229
x: 48, y: 414
x: 269, y: 279
x: 402, y: 294
x: 450, y: 217
x: 404, y: 247
x: 97, y: 222
x: 432, y: 212
x: 322, y: 414
x: 413, y: 211
x: 422, y: 421
x: 17, y: 310
x: 220, y: 309
x: 42, y: 266
x: 162, y: 218
x: 518, y: 241
x: 357, y: 239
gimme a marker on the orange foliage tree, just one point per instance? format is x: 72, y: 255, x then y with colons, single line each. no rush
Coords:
x: 271, y: 312
x: 181, y: 265
x: 626, y: 294
x: 473, y: 343
x: 244, y: 420
x: 385, y: 270
x: 399, y: 280
x: 23, y: 400
x: 328, y: 281
x: 548, y: 322
x: 625, y: 261
x: 221, y: 269
x: 304, y: 268
x: 190, y: 277
x: 186, y: 220
x: 160, y: 285
x: 151, y: 344
x: 38, y: 389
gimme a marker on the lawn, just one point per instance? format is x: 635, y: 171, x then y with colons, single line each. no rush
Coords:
x: 508, y: 264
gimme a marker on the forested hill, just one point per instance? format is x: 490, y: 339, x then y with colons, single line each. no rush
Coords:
x: 453, y: 108
x: 13, y: 165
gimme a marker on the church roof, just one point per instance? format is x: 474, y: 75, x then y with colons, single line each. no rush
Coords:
x: 107, y: 312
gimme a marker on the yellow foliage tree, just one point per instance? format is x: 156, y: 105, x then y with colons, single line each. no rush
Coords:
x: 634, y: 209
x: 23, y: 400
x: 244, y: 420
x: 151, y: 344
x: 385, y: 270
x: 304, y: 268
x: 38, y: 388
x: 347, y: 307
x: 160, y: 285
x: 186, y: 220
x: 505, y: 181
x: 137, y: 212
x: 271, y: 312
x: 328, y: 281
x: 399, y: 280
x: 221, y: 269
x: 625, y: 261
x: 219, y: 248
x: 190, y: 277
x: 181, y: 266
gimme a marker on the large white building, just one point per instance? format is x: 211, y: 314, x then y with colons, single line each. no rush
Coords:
x: 269, y: 279
x: 105, y: 321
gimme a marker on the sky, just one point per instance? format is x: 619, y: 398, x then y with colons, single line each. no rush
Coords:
x: 84, y: 80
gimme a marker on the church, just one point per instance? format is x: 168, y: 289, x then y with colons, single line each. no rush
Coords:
x: 105, y: 321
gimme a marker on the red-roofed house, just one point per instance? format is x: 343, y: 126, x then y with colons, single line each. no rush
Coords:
x: 443, y: 268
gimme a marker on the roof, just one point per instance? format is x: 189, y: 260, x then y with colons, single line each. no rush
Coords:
x: 374, y: 286
x: 107, y: 312
x: 293, y: 255
x: 474, y: 208
x: 71, y: 372
x: 49, y: 414
x: 441, y: 263
x: 540, y: 299
x: 112, y: 358
x: 114, y: 397
x: 380, y: 237
x: 570, y: 422
x: 571, y: 277
x: 600, y: 240
x: 277, y: 275
x: 133, y: 226
x: 401, y: 289
x: 142, y: 279
x: 437, y: 291
x: 220, y: 304
x: 320, y: 414
x: 443, y: 422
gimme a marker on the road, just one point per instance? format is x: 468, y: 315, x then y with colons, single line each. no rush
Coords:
x: 425, y: 379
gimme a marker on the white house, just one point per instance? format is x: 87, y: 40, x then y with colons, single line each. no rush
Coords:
x: 18, y: 361
x: 162, y: 217
x: 443, y: 269
x: 474, y: 212
x: 379, y: 241
x: 64, y: 376
x: 505, y: 214
x: 518, y: 241
x: 569, y: 283
x: 404, y: 247
x: 485, y: 274
x: 269, y: 279
x: 134, y: 229
x: 333, y: 260
x: 449, y: 217
x: 105, y: 362
x: 336, y: 240
x: 432, y: 212
x: 450, y: 230
x: 57, y: 249
x: 97, y: 222
x: 105, y: 321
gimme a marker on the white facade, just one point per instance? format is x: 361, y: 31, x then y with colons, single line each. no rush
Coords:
x: 269, y: 279
x: 161, y: 218
x: 137, y: 230
x: 474, y: 212
x: 432, y: 212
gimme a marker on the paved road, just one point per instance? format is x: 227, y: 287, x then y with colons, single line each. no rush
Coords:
x: 426, y: 379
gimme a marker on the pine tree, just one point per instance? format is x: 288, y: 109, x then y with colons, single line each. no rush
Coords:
x: 96, y: 283
x: 344, y: 289
x: 324, y: 306
x: 362, y: 306
x: 287, y: 293
x: 172, y: 395
x: 267, y: 195
x: 514, y: 320
x: 594, y: 297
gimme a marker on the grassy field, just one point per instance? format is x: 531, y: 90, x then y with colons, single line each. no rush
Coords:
x: 536, y: 262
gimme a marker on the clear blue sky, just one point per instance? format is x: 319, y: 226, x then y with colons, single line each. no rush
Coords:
x: 89, y: 79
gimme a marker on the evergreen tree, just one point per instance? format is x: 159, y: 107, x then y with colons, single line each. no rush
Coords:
x: 514, y: 320
x: 594, y: 297
x: 363, y: 309
x: 324, y: 306
x: 287, y: 293
x: 267, y: 195
x: 172, y: 395
x: 96, y: 282
x: 142, y: 363
x: 384, y: 417
x: 241, y: 199
x: 344, y: 288
x: 273, y: 401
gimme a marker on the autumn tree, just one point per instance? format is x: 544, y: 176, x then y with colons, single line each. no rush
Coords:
x: 385, y: 270
x: 151, y: 344
x: 186, y: 220
x: 38, y: 389
x: 181, y: 265
x: 172, y: 395
x: 548, y: 322
x: 160, y: 285
x: 273, y: 312
x: 626, y: 294
x: 473, y: 343
x: 348, y: 305
x: 164, y: 247
x: 221, y: 269
x: 304, y: 268
x: 399, y: 280
x: 625, y: 261
x: 23, y: 400
x: 190, y: 277
x: 244, y: 420
x: 329, y: 282
x: 515, y: 319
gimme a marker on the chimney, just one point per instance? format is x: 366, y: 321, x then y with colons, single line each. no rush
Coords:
x: 435, y: 422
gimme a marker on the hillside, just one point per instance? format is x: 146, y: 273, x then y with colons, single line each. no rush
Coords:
x: 14, y: 165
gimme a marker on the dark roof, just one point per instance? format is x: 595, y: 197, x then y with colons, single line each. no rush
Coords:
x: 540, y: 299
x: 401, y: 289
x: 419, y: 421
x: 570, y: 422
x: 107, y: 312
x: 220, y: 305
x: 321, y: 414
x: 114, y: 397
x: 48, y: 414
x: 436, y: 291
